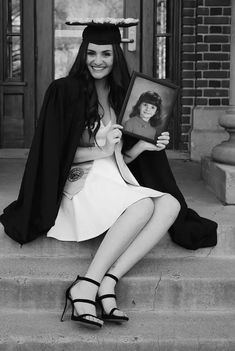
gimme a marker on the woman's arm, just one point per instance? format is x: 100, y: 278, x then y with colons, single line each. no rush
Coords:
x: 84, y: 154
x: 141, y: 145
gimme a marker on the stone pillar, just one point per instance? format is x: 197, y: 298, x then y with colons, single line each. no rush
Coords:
x: 219, y: 171
x: 225, y: 152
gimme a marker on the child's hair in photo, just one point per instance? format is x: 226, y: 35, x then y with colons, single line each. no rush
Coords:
x: 149, y: 97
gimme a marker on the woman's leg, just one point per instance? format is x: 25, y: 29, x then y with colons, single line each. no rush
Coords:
x: 165, y: 212
x: 115, y: 242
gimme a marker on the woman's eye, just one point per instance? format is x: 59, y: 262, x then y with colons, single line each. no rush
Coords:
x: 90, y: 53
x: 107, y: 54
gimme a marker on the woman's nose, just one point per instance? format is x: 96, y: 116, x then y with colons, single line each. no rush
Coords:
x: 98, y: 60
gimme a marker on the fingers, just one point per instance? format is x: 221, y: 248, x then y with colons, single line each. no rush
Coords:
x: 116, y: 126
x: 160, y: 146
x: 163, y: 139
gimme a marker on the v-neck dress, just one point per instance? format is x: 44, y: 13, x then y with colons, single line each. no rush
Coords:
x: 104, y: 196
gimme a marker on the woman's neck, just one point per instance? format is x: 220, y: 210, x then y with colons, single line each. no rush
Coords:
x: 101, y: 86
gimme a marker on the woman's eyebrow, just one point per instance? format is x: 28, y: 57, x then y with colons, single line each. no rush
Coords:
x: 104, y: 51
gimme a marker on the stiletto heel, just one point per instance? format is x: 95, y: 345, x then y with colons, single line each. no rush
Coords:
x: 65, y: 307
x: 81, y: 318
x: 110, y: 316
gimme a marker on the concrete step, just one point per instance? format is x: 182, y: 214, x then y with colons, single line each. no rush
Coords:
x: 149, y: 331
x: 44, y: 246
x: 165, y: 284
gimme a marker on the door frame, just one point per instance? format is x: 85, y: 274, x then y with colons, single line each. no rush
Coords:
x: 148, y: 24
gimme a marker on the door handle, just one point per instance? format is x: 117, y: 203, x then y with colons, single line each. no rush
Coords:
x: 131, y: 40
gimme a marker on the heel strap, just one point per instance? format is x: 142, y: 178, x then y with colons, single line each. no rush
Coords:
x: 111, y: 276
x: 83, y: 300
x: 106, y: 296
x: 88, y: 280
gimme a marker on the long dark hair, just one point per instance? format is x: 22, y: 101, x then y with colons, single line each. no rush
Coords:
x: 118, y: 81
x: 150, y: 97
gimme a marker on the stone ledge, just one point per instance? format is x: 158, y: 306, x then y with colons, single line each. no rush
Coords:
x: 145, y: 331
x: 220, y: 178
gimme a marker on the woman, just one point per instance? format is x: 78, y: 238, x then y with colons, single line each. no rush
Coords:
x: 135, y: 217
x: 78, y: 124
x: 145, y: 115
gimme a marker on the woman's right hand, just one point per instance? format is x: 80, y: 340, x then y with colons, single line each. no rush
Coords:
x: 162, y: 142
x: 113, y: 137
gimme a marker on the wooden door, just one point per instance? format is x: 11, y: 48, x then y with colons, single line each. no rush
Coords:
x: 17, y: 103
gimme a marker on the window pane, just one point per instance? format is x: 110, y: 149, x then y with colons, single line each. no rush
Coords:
x: 14, y: 57
x: 14, y: 17
x: 67, y: 38
x: 161, y: 57
x: 161, y: 16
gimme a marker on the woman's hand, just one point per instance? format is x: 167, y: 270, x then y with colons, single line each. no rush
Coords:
x: 141, y: 145
x: 162, y: 142
x: 113, y: 137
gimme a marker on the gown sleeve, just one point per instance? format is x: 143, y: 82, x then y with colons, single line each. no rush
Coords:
x: 152, y: 169
x: 35, y: 210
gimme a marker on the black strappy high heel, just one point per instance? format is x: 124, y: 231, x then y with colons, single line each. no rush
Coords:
x: 81, y: 318
x: 110, y: 316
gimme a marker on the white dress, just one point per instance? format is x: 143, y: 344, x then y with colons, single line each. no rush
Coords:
x: 105, y: 195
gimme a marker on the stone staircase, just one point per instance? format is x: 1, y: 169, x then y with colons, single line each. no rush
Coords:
x: 176, y: 299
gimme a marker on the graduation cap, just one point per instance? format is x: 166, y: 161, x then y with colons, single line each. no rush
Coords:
x: 102, y: 31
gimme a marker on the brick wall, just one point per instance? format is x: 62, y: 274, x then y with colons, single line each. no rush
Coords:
x: 205, y: 58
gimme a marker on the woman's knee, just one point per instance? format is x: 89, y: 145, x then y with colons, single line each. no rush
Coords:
x: 172, y: 204
x: 145, y: 208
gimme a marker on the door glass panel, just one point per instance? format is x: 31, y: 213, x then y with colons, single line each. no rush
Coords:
x: 13, y: 41
x: 14, y: 16
x: 161, y: 16
x: 161, y: 58
x: 161, y: 39
x: 14, y: 57
x: 68, y: 38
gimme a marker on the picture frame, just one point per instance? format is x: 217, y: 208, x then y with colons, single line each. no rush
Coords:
x: 147, y: 107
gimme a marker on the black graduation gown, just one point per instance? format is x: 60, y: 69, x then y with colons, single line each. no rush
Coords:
x: 60, y: 125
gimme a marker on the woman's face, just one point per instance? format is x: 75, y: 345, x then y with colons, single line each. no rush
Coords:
x: 99, y: 60
x: 147, y: 111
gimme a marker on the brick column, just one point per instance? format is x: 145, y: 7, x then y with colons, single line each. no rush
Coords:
x: 225, y: 152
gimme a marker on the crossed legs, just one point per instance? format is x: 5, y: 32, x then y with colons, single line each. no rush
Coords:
x: 130, y: 238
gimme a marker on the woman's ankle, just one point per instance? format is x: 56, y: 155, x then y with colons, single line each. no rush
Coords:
x: 84, y: 289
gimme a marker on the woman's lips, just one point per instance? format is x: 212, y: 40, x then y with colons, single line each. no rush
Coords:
x: 97, y: 68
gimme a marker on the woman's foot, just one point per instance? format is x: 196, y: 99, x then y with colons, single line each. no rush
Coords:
x: 85, y: 290
x: 107, y: 286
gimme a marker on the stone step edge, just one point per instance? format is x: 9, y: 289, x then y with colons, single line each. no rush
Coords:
x: 152, y: 327
x: 137, y: 312
x: 166, y: 268
x: 22, y: 279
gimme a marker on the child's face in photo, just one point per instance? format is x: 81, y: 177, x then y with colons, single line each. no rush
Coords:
x: 147, y: 111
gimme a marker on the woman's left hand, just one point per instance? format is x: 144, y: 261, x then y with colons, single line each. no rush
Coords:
x: 162, y: 141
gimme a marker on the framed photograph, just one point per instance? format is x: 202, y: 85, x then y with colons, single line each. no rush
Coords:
x: 147, y: 107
